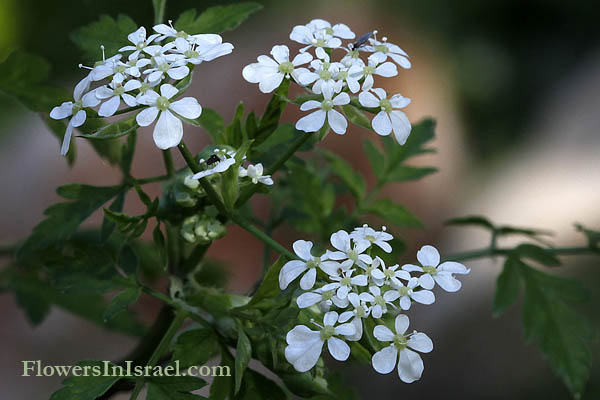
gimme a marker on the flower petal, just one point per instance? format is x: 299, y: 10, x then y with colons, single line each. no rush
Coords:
x: 338, y: 349
x: 308, y: 299
x: 447, y: 282
x: 168, y: 131
x: 401, y: 323
x: 302, y: 249
x: 280, y: 53
x: 383, y: 333
x: 168, y: 90
x: 290, y: 271
x: 109, y: 107
x: 308, y: 280
x: 270, y: 82
x: 410, y: 366
x: 147, y: 116
x: 428, y: 256
x: 385, y: 359
x: 340, y: 240
x: 337, y: 121
x: 400, y: 125
x: 426, y: 281
x: 382, y: 124
x: 424, y: 297
x: 453, y: 267
x: 420, y: 342
x: 312, y: 122
x: 368, y: 99
x: 187, y: 107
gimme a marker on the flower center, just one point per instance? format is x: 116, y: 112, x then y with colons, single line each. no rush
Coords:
x: 119, y: 90
x: 329, y: 31
x: 164, y: 67
x: 327, y: 105
x: 360, y: 312
x: 400, y: 341
x: 145, y: 87
x: 430, y: 270
x: 77, y: 106
x: 182, y: 34
x: 314, y: 263
x: 404, y: 291
x: 368, y: 70
x: 389, y: 273
x: 325, y: 75
x: 320, y: 43
x: 132, y: 63
x: 162, y: 103
x: 380, y: 300
x: 286, y: 67
x: 346, y: 281
x: 121, y: 68
x: 327, y: 295
x: 191, y: 54
x: 386, y: 105
x: 327, y: 332
x: 342, y: 75
x: 353, y: 53
x: 381, y: 48
x: 353, y: 255
x: 140, y: 45
x: 370, y: 238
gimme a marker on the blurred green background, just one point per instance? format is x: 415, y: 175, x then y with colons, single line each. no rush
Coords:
x: 515, y: 86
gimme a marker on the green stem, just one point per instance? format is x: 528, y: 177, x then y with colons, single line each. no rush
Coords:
x: 195, y: 167
x: 296, y: 144
x: 174, y: 256
x: 168, y: 159
x: 152, y: 179
x: 488, y: 252
x: 180, y: 317
x: 263, y: 237
x: 159, y: 10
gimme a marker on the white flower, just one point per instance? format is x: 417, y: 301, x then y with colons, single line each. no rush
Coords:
x: 387, y: 70
x: 308, y: 263
x: 323, y: 77
x: 360, y: 310
x: 319, y: 39
x: 173, y: 70
x: 114, y: 92
x: 305, y: 345
x: 382, y: 50
x: 339, y: 30
x: 226, y: 158
x: 379, y: 301
x: 379, y: 238
x: 407, y: 293
x: 393, y: 275
x: 345, y: 282
x: 105, y: 68
x: 74, y: 110
x: 410, y: 365
x: 269, y: 72
x: 131, y: 68
x: 198, y: 51
x: 434, y: 273
x: 169, y: 129
x: 167, y: 31
x: 255, y: 173
x: 351, y: 254
x: 322, y: 296
x: 389, y: 118
x: 138, y: 38
x: 372, y: 270
x: 315, y: 121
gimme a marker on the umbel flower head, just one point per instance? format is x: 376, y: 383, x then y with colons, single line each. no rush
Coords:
x: 147, y: 81
x: 337, y: 76
x: 349, y: 287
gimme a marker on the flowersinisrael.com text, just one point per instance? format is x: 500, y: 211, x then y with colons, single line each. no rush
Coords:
x: 106, y: 368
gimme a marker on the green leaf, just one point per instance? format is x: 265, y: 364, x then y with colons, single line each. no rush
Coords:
x: 420, y: 134
x: 409, y: 173
x: 34, y: 303
x: 195, y: 347
x: 474, y: 220
x: 269, y: 287
x: 360, y: 353
x: 593, y: 237
x: 63, y: 219
x: 356, y: 116
x: 376, y: 159
x: 352, y: 179
x: 174, y: 387
x: 86, y: 387
x: 537, y: 253
x: 394, y: 213
x: 511, y: 230
x: 110, y: 33
x: 216, y: 19
x: 111, y: 131
x: 223, y: 385
x: 128, y: 260
x: 562, y: 334
x: 258, y: 387
x: 229, y: 179
x: 269, y: 122
x: 121, y: 301
x: 108, y: 225
x: 508, y: 286
x: 213, y: 123
x: 243, y: 354
x: 161, y: 245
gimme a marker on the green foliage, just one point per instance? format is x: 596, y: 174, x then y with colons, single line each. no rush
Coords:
x: 270, y: 120
x: 213, y: 123
x: 561, y: 333
x: 269, y: 287
x: 107, y: 31
x: 216, y: 19
x: 593, y: 237
x: 243, y: 354
x: 356, y: 116
x: 63, y: 219
x: 394, y: 213
x: 503, y: 230
x: 230, y: 188
x: 174, y: 387
x: 343, y: 170
x: 110, y: 131
x: 121, y: 301
x: 86, y: 387
x: 195, y: 347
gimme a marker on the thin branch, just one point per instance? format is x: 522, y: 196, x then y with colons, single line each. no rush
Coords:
x: 263, y: 237
x: 489, y: 252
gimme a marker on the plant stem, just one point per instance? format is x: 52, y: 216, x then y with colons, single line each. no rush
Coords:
x: 210, y: 191
x: 159, y: 10
x: 296, y: 144
x: 168, y: 159
x: 487, y: 252
x: 263, y: 237
x: 180, y: 316
x: 152, y: 179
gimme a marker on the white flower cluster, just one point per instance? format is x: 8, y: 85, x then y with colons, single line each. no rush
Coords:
x: 332, y: 80
x: 145, y: 79
x: 222, y: 159
x: 353, y: 286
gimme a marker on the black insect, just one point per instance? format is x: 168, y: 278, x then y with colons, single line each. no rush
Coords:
x: 362, y: 40
x: 213, y: 159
